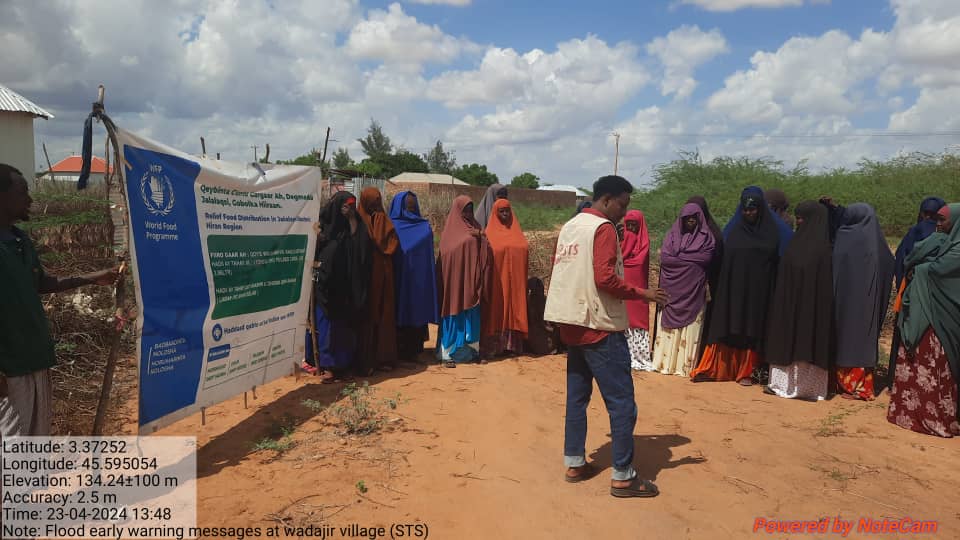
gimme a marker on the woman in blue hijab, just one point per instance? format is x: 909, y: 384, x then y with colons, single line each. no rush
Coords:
x: 414, y: 271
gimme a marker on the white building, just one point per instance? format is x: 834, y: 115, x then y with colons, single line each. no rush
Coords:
x: 16, y: 130
x: 68, y: 169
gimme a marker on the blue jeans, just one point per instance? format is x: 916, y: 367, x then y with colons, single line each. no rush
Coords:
x: 607, y: 361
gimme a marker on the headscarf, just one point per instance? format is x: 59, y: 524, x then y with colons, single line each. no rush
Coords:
x: 381, y: 301
x: 343, y: 275
x: 508, y: 305
x: 635, y: 248
x: 463, y: 261
x: 800, y: 327
x: 921, y: 230
x: 485, y: 208
x: 752, y: 197
x: 747, y: 277
x: 684, y: 261
x: 862, y: 278
x: 932, y: 297
x: 414, y: 267
x: 582, y: 205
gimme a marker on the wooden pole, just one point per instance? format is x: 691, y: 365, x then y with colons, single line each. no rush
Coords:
x: 120, y: 292
x: 203, y: 147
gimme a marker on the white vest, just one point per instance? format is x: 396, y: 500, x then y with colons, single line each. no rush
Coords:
x: 573, y: 297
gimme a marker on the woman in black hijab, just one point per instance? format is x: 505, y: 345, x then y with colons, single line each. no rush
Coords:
x: 862, y: 278
x: 341, y: 283
x: 800, y: 326
x: 744, y: 287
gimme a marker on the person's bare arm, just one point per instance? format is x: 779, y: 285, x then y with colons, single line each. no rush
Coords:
x: 54, y: 284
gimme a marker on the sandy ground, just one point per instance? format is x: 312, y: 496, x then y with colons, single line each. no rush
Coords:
x: 476, y: 452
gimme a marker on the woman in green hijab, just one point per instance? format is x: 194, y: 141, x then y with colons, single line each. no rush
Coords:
x: 924, y: 397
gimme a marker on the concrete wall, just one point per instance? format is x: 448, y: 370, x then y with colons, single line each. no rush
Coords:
x: 16, y: 142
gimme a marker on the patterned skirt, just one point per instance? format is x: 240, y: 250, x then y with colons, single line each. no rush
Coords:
x: 924, y: 396
x: 799, y: 380
x: 675, y: 351
x: 856, y: 382
x: 638, y: 341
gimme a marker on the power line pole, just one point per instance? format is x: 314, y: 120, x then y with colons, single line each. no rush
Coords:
x: 254, y: 152
x: 616, y: 154
x: 326, y: 141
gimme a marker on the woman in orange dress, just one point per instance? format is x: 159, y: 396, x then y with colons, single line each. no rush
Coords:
x: 505, y: 323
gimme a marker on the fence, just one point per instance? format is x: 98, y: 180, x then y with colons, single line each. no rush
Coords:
x: 448, y: 192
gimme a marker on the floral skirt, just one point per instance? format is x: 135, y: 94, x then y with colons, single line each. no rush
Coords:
x: 924, y: 396
x: 675, y: 350
x: 799, y: 380
x: 638, y: 341
x: 856, y: 381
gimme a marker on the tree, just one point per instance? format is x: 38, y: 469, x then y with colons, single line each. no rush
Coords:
x: 402, y: 161
x: 440, y: 161
x: 526, y: 180
x: 341, y: 159
x: 368, y: 167
x: 376, y: 144
x: 476, y: 174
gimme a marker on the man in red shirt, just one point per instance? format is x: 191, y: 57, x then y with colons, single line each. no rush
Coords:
x: 598, y: 352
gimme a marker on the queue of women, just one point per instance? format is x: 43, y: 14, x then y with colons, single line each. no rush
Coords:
x: 802, y: 296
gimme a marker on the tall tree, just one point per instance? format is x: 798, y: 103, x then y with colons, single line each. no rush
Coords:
x: 441, y: 161
x: 476, y: 174
x: 403, y: 161
x: 341, y: 159
x: 376, y: 144
x: 526, y: 180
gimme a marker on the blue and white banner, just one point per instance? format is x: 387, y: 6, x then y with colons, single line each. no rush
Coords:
x: 221, y: 253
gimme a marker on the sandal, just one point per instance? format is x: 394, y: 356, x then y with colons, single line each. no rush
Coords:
x: 327, y: 377
x: 308, y: 368
x: 449, y: 364
x: 746, y: 381
x: 768, y: 390
x: 588, y: 471
x: 648, y: 489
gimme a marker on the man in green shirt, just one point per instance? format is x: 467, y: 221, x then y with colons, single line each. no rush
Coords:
x: 26, y: 346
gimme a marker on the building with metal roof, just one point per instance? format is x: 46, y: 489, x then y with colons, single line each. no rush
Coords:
x: 16, y: 130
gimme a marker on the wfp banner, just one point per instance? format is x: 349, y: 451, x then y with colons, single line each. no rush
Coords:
x: 221, y: 253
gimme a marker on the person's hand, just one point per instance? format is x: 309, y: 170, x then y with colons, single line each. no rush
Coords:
x: 827, y: 201
x: 657, y: 295
x: 477, y: 233
x: 104, y: 277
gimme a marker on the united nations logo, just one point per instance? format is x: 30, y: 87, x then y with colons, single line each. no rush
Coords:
x: 156, y: 190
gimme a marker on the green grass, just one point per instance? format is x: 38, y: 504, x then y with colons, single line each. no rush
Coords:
x: 894, y: 187
x: 534, y: 217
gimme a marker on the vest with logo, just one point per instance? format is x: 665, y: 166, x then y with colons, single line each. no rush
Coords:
x: 573, y: 297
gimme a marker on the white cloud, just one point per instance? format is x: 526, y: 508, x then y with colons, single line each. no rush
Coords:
x: 734, y: 5
x: 395, y: 37
x: 681, y: 52
x: 806, y: 75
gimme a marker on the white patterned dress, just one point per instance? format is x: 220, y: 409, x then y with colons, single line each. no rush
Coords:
x: 638, y: 341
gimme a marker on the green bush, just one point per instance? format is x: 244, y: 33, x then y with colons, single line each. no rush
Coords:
x: 894, y: 187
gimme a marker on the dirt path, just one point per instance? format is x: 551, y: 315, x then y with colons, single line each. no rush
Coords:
x: 475, y: 452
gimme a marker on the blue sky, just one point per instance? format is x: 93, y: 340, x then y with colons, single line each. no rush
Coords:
x: 519, y: 86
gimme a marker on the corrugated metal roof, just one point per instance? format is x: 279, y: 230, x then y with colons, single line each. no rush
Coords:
x: 14, y: 102
x: 426, y: 178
